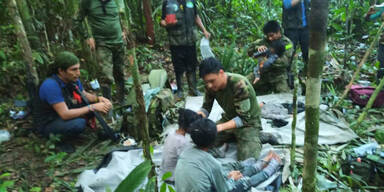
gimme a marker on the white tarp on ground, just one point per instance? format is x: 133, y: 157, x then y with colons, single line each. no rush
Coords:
x: 123, y: 162
x: 332, y: 130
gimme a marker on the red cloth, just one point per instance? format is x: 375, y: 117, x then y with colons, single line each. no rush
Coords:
x: 77, y: 97
x: 360, y: 95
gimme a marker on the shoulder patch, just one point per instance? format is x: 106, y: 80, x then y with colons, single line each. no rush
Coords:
x: 288, y: 46
x: 241, y: 90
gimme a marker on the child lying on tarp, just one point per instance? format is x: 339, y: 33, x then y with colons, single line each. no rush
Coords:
x: 197, y: 170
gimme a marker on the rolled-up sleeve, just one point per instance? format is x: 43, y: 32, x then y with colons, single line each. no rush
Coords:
x: 242, y: 104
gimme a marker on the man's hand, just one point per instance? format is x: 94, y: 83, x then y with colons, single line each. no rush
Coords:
x: 102, y: 107
x: 219, y: 127
x: 91, y: 43
x: 256, y: 80
x: 201, y: 113
x: 124, y: 35
x: 105, y: 100
x: 262, y: 48
x: 207, y: 34
x: 235, y: 175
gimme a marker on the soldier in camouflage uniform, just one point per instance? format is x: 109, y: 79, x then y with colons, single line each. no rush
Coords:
x: 241, y: 118
x: 107, y: 38
x: 275, y: 78
x: 373, y: 15
x: 182, y: 38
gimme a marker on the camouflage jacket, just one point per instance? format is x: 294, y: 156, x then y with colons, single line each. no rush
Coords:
x: 184, y: 32
x: 278, y: 70
x: 105, y: 27
x: 238, y: 100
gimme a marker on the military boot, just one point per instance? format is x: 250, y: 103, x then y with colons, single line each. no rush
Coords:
x: 106, y: 91
x: 179, y: 83
x: 120, y: 92
x: 191, y: 78
x: 268, y: 138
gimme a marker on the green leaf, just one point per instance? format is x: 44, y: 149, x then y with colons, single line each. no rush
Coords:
x: 37, y: 57
x: 5, y: 175
x: 5, y: 185
x: 157, y: 78
x: 166, y: 176
x: 151, y: 150
x: 150, y: 187
x: 170, y: 188
x: 163, y: 187
x: 135, y: 178
x: 35, y: 189
x: 2, y: 55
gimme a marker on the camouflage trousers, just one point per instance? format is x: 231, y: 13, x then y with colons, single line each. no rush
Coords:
x: 111, y: 62
x: 246, y: 138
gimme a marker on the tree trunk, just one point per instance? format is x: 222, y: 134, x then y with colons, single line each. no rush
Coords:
x: 33, y: 38
x: 150, y: 32
x: 31, y: 74
x: 317, y: 43
x: 142, y: 114
x: 293, y: 128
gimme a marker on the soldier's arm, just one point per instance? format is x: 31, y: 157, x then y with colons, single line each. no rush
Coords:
x: 163, y: 12
x: 207, y: 104
x: 200, y: 24
x: 242, y: 104
x: 290, y: 3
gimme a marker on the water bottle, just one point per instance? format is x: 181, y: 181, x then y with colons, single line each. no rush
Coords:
x: 205, y: 49
x: 4, y: 135
x: 367, y: 149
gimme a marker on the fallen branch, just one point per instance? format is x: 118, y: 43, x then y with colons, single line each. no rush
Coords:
x: 80, y: 151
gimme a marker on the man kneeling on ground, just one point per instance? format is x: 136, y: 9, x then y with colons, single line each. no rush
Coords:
x: 197, y: 170
x: 60, y: 109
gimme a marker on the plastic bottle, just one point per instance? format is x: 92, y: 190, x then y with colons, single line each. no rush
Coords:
x: 367, y: 149
x: 4, y: 135
x: 205, y: 49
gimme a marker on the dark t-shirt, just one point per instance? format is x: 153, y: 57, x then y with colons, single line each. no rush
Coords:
x: 164, y: 11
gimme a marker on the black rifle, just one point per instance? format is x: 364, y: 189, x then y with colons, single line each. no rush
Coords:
x: 261, y: 53
x: 107, y: 129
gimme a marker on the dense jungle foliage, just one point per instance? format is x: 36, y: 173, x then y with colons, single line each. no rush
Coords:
x: 234, y: 25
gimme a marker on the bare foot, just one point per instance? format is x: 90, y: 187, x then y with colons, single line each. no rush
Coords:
x: 272, y: 155
x: 276, y: 157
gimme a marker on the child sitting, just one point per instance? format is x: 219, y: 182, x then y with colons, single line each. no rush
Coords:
x: 277, y: 50
x: 176, y: 142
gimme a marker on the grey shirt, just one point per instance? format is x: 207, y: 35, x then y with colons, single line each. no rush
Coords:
x: 198, y: 171
x: 173, y: 146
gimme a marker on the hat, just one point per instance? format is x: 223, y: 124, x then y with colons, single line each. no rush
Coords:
x: 65, y: 59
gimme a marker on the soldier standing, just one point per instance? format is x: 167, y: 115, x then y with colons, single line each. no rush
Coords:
x: 107, y: 39
x: 180, y: 18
